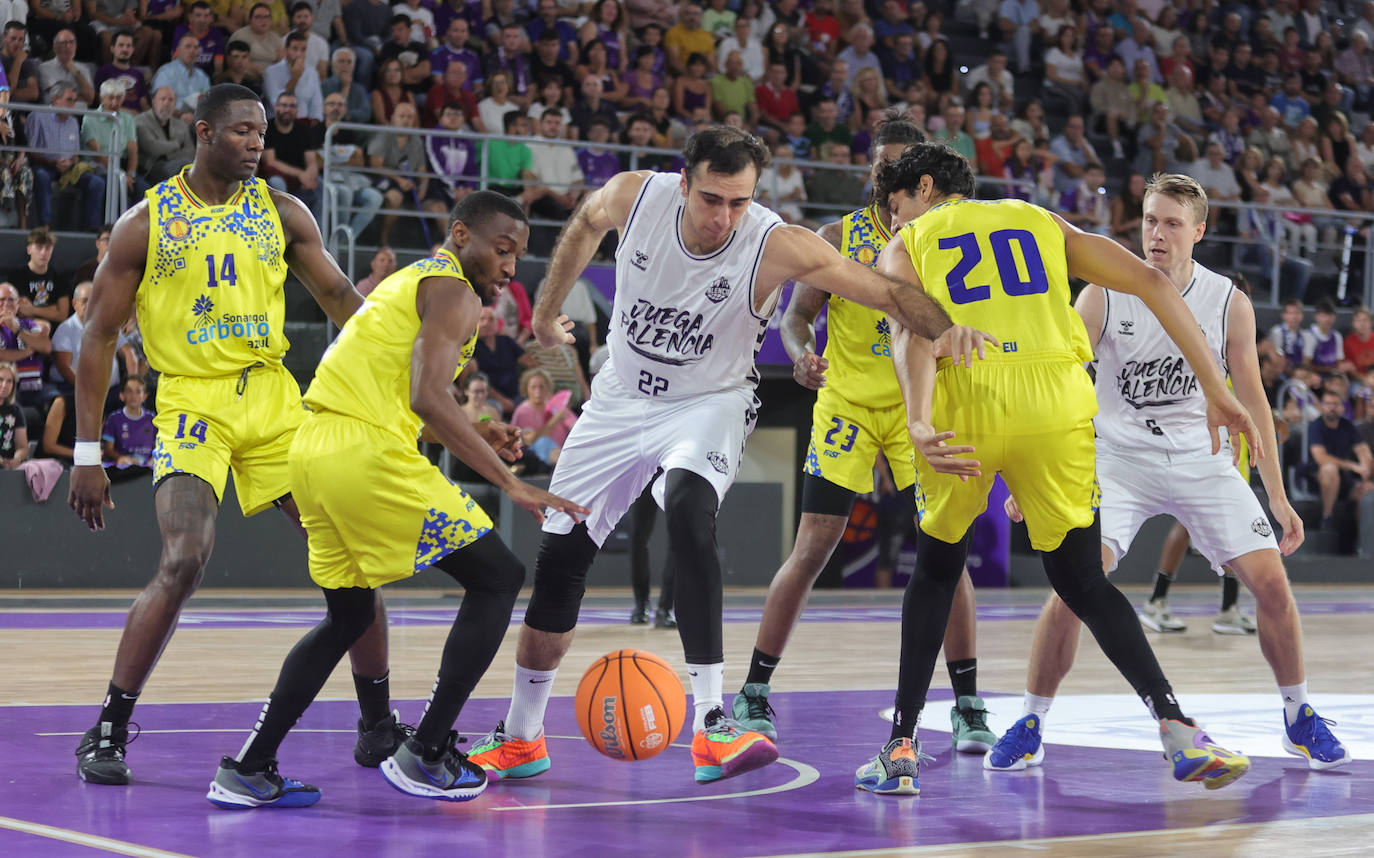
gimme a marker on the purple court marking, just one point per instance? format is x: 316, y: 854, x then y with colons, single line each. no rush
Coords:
x: 1078, y: 792
x: 297, y: 618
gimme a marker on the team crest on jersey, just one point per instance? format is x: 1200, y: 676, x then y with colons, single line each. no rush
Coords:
x: 866, y: 254
x: 718, y: 291
x: 1261, y: 527
x: 718, y: 461
x: 640, y: 260
x: 177, y: 228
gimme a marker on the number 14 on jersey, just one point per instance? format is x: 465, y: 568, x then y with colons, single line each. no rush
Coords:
x: 224, y: 273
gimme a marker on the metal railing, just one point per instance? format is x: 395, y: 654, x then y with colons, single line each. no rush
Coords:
x: 116, y: 199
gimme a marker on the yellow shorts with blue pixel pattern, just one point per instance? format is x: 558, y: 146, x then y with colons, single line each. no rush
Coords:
x: 208, y: 427
x: 846, y: 438
x: 374, y: 509
x: 1032, y: 423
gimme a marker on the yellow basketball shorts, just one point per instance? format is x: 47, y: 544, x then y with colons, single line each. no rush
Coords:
x: 208, y: 427
x: 1031, y: 422
x: 374, y: 509
x: 846, y: 439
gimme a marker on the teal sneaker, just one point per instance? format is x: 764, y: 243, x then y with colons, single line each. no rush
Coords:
x: 752, y: 711
x: 968, y: 719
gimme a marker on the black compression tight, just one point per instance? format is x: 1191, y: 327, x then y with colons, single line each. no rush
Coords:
x: 694, y: 565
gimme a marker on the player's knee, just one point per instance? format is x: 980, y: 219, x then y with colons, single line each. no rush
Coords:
x: 181, y: 568
x: 1328, y: 472
x: 940, y: 562
x: 560, y: 580
x: 690, y: 507
x: 350, y: 612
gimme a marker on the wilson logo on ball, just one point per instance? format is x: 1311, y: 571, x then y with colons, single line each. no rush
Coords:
x: 610, y: 738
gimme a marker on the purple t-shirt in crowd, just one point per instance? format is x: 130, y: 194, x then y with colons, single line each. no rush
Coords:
x: 130, y: 436
x: 455, y: 159
x: 597, y: 168
x: 1328, y: 348
x: 211, y: 46
x: 30, y: 368
x: 135, y: 84
x: 440, y: 57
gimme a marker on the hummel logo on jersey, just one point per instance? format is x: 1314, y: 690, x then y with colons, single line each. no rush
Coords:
x: 640, y: 260
x: 718, y: 291
x: 718, y: 461
x: 1126, y: 328
x: 1261, y: 526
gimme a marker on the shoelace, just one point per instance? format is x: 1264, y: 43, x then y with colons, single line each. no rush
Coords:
x: 116, y: 747
x: 977, y: 718
x: 1319, y: 730
x: 1015, y: 738
x: 759, y: 707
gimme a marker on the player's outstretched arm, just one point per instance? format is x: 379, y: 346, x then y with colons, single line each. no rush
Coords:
x: 1101, y: 260
x: 1242, y: 358
x: 112, y: 302
x: 605, y: 209
x: 312, y: 263
x: 795, y: 253
x: 449, y: 310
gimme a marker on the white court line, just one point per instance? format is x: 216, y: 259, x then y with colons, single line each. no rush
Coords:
x: 93, y: 841
x: 1040, y: 844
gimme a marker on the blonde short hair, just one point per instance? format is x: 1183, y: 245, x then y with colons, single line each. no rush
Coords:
x: 6, y: 366
x: 1182, y: 189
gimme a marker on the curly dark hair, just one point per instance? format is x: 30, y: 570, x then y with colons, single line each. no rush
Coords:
x: 895, y: 128
x: 724, y: 150
x: 949, y: 170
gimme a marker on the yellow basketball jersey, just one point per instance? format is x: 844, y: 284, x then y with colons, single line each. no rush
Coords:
x: 211, y: 302
x: 1000, y: 266
x: 859, y: 339
x: 365, y: 372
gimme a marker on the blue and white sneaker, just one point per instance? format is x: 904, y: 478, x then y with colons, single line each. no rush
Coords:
x: 452, y: 777
x: 894, y: 771
x: 1309, y: 737
x: 1195, y: 758
x: 235, y: 789
x: 1018, y: 748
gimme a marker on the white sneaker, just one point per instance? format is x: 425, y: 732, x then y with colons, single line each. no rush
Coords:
x: 1232, y: 622
x: 1157, y: 617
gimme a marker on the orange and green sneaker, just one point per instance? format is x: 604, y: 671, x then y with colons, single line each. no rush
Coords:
x: 724, y: 749
x: 507, y: 756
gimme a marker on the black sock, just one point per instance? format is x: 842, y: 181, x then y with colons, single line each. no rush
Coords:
x: 374, y: 698
x: 1159, y: 699
x: 118, y: 706
x: 963, y: 677
x: 1162, y: 581
x: 1230, y: 591
x: 761, y: 667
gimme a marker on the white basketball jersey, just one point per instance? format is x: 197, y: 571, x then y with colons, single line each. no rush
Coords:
x: 683, y: 325
x: 1147, y: 395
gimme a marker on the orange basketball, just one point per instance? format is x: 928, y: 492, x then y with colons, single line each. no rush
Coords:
x: 630, y: 704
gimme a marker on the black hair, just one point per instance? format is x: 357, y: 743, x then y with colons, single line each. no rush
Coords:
x: 15, y: 25
x: 724, y: 150
x: 508, y: 121
x: 949, y: 170
x: 296, y: 7
x: 399, y: 19
x: 215, y: 103
x: 293, y: 36
x: 697, y: 59
x: 894, y: 128
x: 478, y: 208
x: 118, y: 33
x: 254, y: 8
x: 199, y: 4
x: 1325, y: 306
x: 237, y: 45
x: 549, y: 35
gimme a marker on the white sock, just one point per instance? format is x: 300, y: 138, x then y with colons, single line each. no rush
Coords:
x: 528, y: 700
x: 707, y: 681
x: 1035, y: 705
x: 1294, y: 698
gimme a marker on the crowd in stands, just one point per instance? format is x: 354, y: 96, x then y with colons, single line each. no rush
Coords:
x: 1263, y: 102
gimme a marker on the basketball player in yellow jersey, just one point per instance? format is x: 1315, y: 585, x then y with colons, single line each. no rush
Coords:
x: 204, y: 255
x: 858, y: 415
x: 375, y: 510
x: 1026, y: 411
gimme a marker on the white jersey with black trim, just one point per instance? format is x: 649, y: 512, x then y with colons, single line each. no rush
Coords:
x: 684, y: 325
x: 1148, y: 397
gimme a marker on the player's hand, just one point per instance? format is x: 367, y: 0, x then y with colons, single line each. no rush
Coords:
x: 1013, y: 509
x: 1290, y: 523
x: 89, y: 495
x: 809, y: 371
x: 504, y: 438
x: 943, y: 458
x: 536, y: 500
x: 960, y: 342
x: 1226, y: 412
x: 555, y: 332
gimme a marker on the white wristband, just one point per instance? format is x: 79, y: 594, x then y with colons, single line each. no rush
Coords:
x: 86, y: 453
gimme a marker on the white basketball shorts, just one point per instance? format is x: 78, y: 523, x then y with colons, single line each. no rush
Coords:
x: 1205, y: 493
x: 622, y: 439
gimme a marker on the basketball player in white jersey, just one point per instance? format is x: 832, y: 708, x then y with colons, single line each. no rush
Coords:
x: 1153, y: 457
x: 698, y: 270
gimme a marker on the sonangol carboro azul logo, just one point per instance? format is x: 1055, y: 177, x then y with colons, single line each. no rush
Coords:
x: 718, y: 290
x: 640, y: 260
x: 610, y: 736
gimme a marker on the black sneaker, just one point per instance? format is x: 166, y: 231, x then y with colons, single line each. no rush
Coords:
x: 664, y: 619
x: 100, y: 756
x: 640, y: 617
x: 385, y: 737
